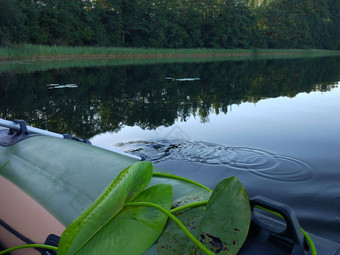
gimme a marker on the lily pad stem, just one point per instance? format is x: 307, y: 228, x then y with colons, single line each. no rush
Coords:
x: 42, y: 246
x: 196, y: 204
x: 181, y: 179
x: 177, y: 221
x: 3, y: 166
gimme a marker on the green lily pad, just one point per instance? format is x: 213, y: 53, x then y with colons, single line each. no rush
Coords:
x: 107, y: 227
x: 222, y: 226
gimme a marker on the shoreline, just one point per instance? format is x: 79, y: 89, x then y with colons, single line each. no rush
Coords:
x: 30, y: 58
x: 29, y: 52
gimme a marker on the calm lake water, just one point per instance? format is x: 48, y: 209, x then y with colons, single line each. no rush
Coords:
x: 273, y: 123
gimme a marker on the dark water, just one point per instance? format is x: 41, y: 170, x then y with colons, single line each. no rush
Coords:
x: 273, y: 123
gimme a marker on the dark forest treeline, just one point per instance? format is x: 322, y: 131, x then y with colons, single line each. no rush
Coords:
x: 172, y: 23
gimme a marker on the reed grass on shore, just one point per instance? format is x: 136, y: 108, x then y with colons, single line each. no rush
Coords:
x: 30, y: 58
x: 42, y: 52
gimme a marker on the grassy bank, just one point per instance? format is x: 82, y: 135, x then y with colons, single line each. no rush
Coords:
x: 29, y: 58
x: 41, y: 52
x: 19, y: 66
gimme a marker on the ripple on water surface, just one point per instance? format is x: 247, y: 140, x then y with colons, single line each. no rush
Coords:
x: 331, y: 193
x: 257, y: 162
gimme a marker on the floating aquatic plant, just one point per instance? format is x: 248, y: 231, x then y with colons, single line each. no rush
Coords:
x: 221, y: 224
x: 129, y: 217
x: 109, y: 227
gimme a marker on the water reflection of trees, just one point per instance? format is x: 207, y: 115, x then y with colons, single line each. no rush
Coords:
x: 109, y: 98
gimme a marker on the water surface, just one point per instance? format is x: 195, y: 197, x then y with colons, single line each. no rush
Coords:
x: 272, y: 123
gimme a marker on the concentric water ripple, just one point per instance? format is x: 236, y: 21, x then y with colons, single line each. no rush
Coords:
x: 257, y: 162
x: 332, y: 193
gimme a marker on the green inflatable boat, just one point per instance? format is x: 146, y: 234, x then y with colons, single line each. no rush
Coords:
x: 66, y: 196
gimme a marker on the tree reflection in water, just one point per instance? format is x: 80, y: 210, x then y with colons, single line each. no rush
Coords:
x: 108, y: 98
